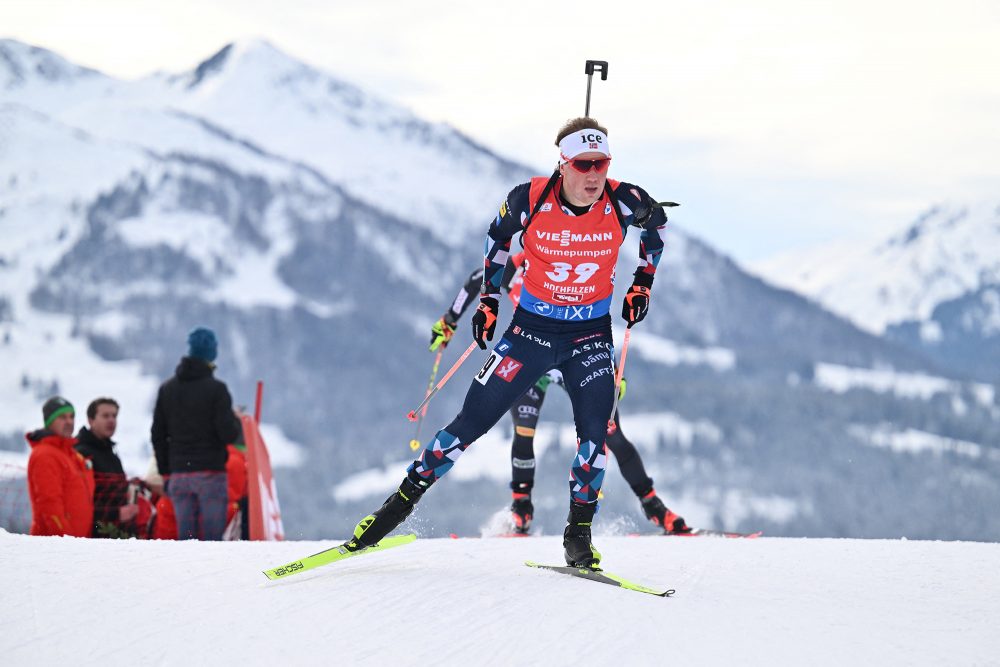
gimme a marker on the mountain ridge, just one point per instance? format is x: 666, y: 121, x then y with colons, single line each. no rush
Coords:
x: 932, y: 286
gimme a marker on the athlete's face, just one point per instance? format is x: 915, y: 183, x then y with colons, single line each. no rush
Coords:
x: 584, y: 188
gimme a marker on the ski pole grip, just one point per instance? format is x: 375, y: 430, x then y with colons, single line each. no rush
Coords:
x: 597, y: 66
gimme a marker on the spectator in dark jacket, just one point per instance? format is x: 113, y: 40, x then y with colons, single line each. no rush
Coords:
x: 114, y: 515
x: 192, y: 423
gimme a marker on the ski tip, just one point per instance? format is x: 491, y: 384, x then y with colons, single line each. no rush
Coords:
x: 284, y: 570
x: 411, y: 415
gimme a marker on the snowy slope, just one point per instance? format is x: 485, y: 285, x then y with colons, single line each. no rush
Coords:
x: 470, y: 601
x: 71, y: 135
x: 47, y: 181
x: 40, y: 351
x: 951, y: 250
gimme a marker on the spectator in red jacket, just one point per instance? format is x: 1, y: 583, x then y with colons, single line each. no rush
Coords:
x: 164, y: 525
x: 60, y: 482
x: 236, y: 474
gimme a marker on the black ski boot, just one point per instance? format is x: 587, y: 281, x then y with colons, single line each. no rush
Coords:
x: 521, y: 512
x: 393, y: 512
x: 661, y: 516
x: 576, y: 538
x: 521, y: 509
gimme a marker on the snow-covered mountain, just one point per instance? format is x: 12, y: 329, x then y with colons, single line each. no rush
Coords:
x: 320, y: 231
x: 430, y: 175
x: 83, y: 152
x: 935, y: 286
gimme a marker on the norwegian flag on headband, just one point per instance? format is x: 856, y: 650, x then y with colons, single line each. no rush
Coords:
x: 584, y: 141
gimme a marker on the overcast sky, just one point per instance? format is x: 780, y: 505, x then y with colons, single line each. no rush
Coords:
x: 777, y: 124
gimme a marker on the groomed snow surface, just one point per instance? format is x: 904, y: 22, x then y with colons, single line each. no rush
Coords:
x: 768, y: 601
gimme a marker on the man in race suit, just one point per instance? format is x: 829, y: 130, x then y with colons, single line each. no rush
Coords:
x: 526, y: 410
x: 572, y: 225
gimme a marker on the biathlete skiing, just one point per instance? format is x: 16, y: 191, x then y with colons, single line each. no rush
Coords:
x: 572, y: 226
x: 526, y: 410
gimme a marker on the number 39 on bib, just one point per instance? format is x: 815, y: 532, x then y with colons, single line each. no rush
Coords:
x: 491, y: 362
x: 561, y: 272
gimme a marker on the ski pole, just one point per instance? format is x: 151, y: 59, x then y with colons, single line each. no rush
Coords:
x: 415, y: 443
x: 592, y: 66
x: 412, y: 415
x: 618, y: 380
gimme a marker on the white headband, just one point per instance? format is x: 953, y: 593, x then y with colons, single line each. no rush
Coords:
x: 584, y: 141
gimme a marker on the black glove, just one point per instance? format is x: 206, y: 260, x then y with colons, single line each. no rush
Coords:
x: 484, y: 322
x: 636, y: 302
x: 642, y: 213
x: 441, y: 332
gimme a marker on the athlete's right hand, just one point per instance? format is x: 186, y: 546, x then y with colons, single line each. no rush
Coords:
x: 441, y: 333
x: 484, y: 322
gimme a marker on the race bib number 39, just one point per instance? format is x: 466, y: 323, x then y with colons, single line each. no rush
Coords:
x: 561, y: 272
x: 491, y: 362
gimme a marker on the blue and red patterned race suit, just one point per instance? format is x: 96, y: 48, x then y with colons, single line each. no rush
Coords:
x: 562, y: 321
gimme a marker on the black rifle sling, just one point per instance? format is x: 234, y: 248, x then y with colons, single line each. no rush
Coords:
x: 614, y: 204
x: 545, y: 193
x: 553, y: 179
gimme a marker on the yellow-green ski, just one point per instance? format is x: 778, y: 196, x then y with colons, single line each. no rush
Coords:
x: 597, y: 574
x: 339, y: 552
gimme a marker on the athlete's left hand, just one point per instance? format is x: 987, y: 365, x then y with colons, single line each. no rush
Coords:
x: 636, y: 304
x: 643, y: 212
